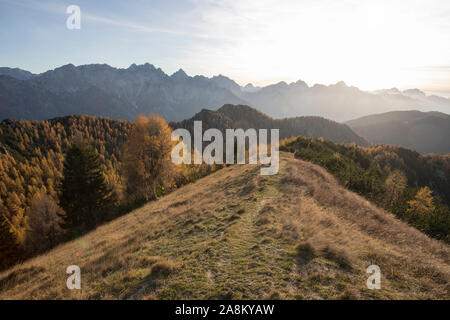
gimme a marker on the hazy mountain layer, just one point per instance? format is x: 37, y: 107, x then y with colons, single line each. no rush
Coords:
x: 245, y: 117
x: 425, y: 132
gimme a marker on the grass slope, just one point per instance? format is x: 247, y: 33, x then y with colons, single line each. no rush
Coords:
x: 236, y: 234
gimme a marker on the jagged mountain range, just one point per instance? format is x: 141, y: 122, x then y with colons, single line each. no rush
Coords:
x: 102, y: 90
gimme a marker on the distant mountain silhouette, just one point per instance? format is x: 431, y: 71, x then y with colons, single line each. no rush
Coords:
x: 245, y: 117
x: 425, y: 132
x: 27, y: 100
x: 338, y: 102
x: 102, y: 90
x: 16, y: 73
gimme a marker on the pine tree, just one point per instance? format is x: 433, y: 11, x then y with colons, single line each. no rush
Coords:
x: 84, y: 194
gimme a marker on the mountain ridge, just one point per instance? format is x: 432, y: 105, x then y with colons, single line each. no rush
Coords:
x: 17, y: 73
x: 147, y: 89
x: 245, y: 117
x: 425, y: 132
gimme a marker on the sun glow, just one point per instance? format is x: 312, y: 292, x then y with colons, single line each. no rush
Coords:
x: 369, y: 44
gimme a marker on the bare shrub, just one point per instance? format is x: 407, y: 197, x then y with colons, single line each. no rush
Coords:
x: 44, y: 223
x: 164, y: 268
x: 306, y: 251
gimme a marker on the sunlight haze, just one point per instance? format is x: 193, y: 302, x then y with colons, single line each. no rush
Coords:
x: 368, y: 44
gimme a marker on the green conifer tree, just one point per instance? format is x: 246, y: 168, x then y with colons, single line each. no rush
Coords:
x: 84, y: 194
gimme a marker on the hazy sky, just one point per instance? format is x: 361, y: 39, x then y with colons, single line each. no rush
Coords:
x: 370, y: 44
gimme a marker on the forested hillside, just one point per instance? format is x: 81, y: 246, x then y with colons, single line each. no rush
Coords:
x: 415, y: 187
x: 31, y: 169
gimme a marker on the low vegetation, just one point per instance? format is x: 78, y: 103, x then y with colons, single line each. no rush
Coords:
x: 236, y: 234
x: 416, y: 188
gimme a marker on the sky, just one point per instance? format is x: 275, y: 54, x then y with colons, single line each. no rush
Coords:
x: 371, y: 44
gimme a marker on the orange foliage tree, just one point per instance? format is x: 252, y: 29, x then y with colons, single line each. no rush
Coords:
x: 146, y: 159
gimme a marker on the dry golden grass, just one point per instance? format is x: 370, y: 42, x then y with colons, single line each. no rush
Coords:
x: 236, y: 234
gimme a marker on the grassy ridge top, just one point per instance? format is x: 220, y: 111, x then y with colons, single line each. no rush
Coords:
x: 237, y: 234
